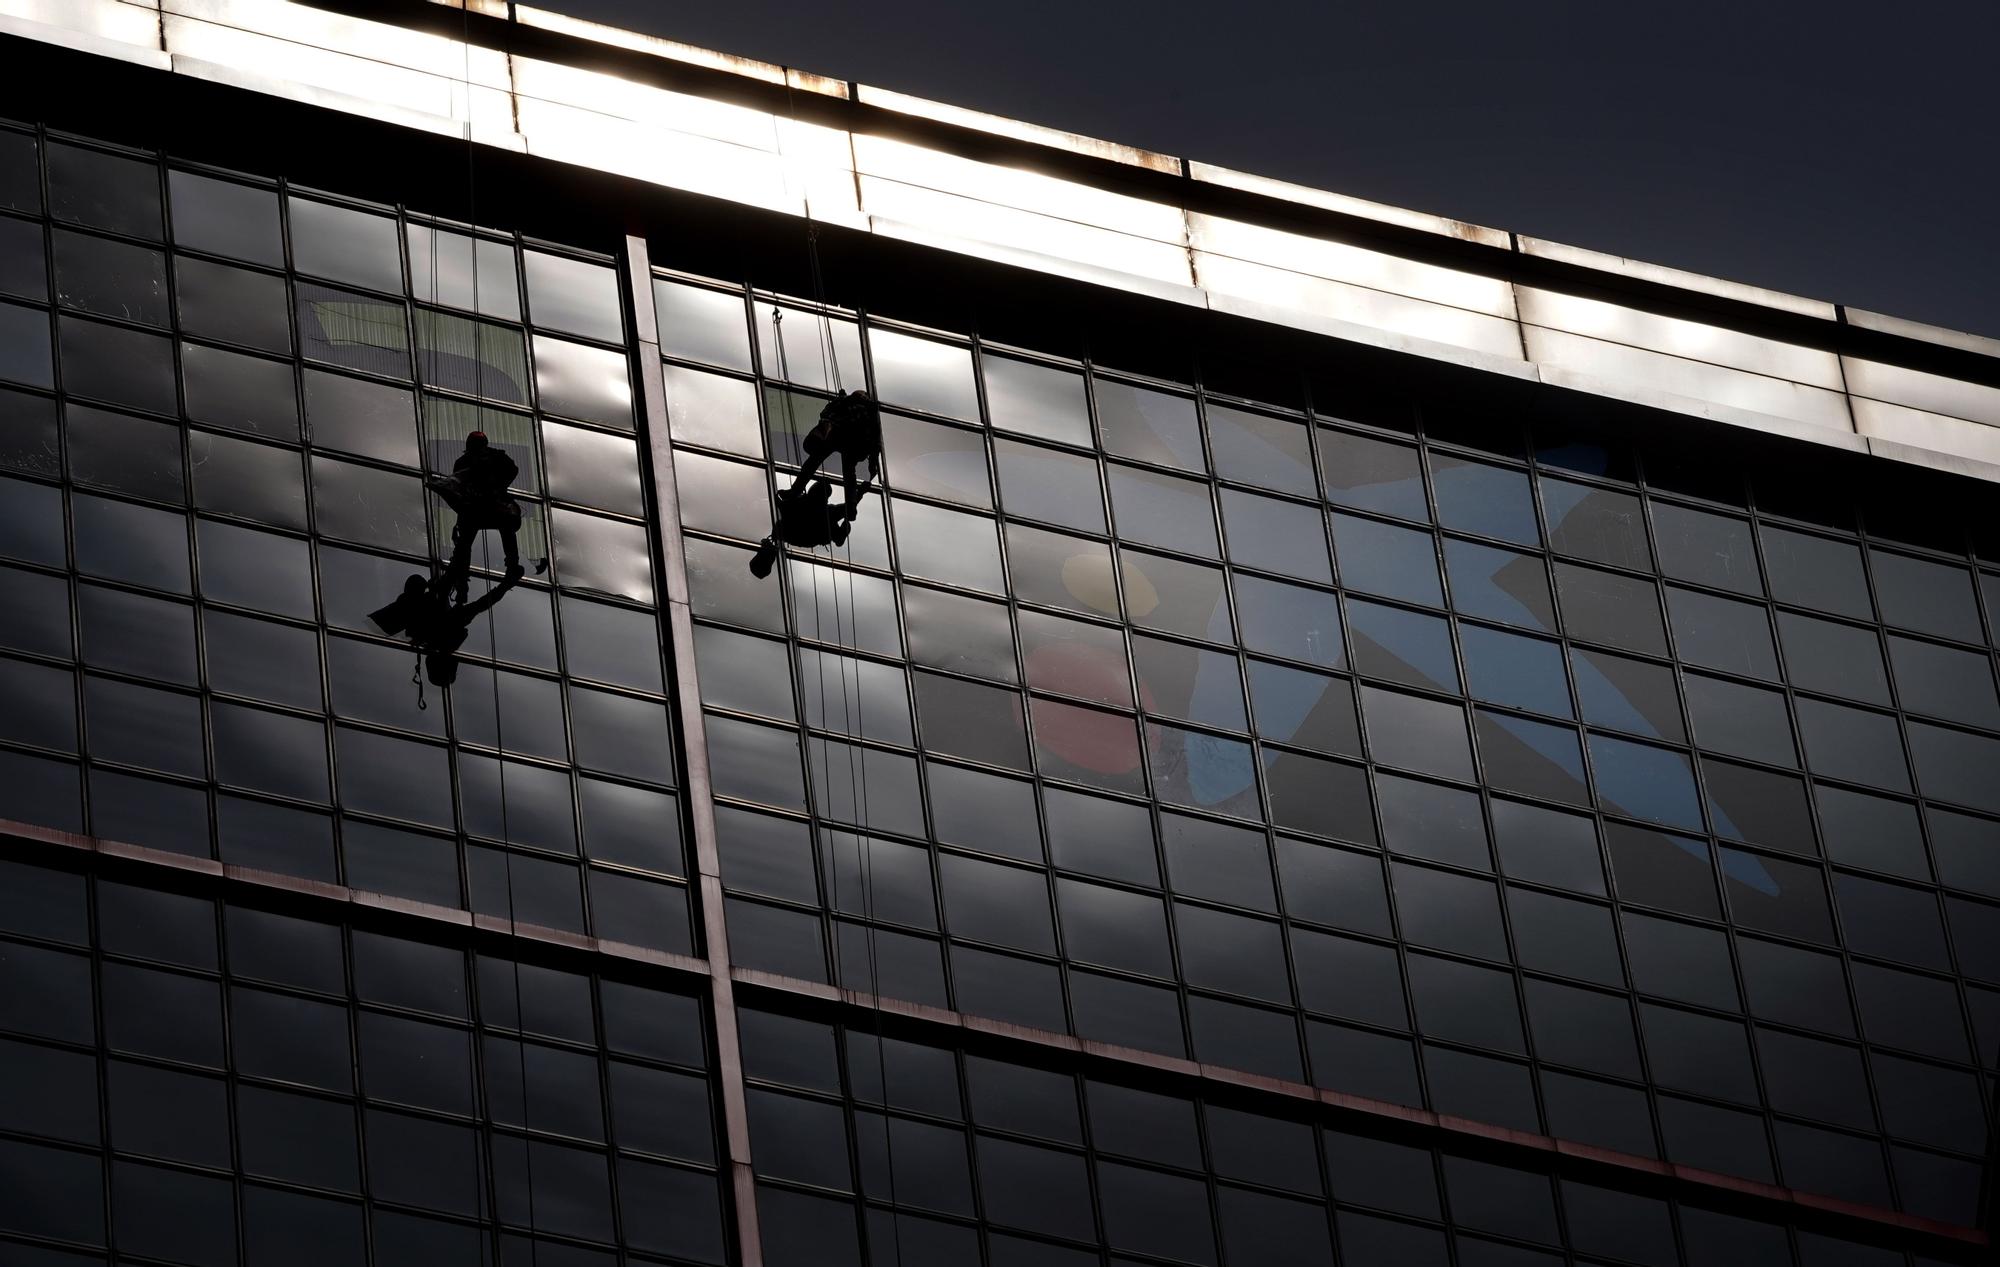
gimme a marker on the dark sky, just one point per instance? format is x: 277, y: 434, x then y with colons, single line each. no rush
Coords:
x: 1840, y: 149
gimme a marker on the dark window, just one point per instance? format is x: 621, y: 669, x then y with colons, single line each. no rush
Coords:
x: 1928, y: 597
x: 1823, y: 655
x: 104, y: 191
x: 1153, y: 426
x: 1403, y: 646
x: 1620, y: 611
x: 1597, y: 524
x: 1370, y: 474
x: 1048, y: 484
x: 1721, y: 633
x: 1379, y: 558
x: 1816, y: 572
x: 1501, y: 585
x: 226, y: 218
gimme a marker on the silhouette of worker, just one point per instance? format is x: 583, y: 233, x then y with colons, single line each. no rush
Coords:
x: 437, y: 628
x: 851, y: 426
x: 477, y: 490
x: 804, y: 520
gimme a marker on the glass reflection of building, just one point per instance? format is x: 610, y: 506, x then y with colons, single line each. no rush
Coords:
x: 1308, y: 802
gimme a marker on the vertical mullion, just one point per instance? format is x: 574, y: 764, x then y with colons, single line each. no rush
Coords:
x: 707, y: 871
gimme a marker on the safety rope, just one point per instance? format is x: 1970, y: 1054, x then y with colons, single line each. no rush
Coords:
x: 492, y: 634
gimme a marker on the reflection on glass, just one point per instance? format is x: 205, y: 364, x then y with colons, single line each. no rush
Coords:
x: 1425, y: 820
x: 24, y: 271
x: 701, y: 324
x: 1605, y: 607
x: 1816, y: 572
x: 1739, y: 720
x: 1596, y: 524
x: 1049, y: 484
x: 1706, y: 548
x: 1403, y: 646
x: 1060, y: 571
x: 224, y: 217
x: 1645, y: 782
x: 713, y: 411
x: 846, y: 608
x: 1379, y: 558
x: 242, y: 393
x: 122, y: 366
x: 1721, y: 633
x: 1071, y: 657
x: 1492, y: 501
x: 355, y: 415
x: 1933, y: 598
x: 948, y: 463
x: 477, y: 358
x: 923, y: 374
x: 112, y: 279
x: 233, y: 305
x: 1518, y: 672
x: 346, y: 245
x: 1824, y: 655
x: 1628, y: 695
x: 948, y: 546
x: 358, y: 331
x: 124, y: 454
x: 1310, y: 710
x: 1276, y: 536
x: 1370, y: 474
x: 971, y: 720
x: 1290, y: 621
x: 1162, y: 510
x: 1530, y: 757
x: 1416, y: 733
x: 1036, y: 400
x: 1258, y: 449
x: 569, y: 294
x: 1188, y: 683
x: 582, y: 382
x: 1086, y: 745
x: 104, y: 191
x: 1202, y: 771
x: 1152, y: 426
x: 1175, y: 597
x: 797, y: 345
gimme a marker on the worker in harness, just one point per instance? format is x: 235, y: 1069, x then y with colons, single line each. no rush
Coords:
x: 477, y: 490
x: 851, y: 426
x: 435, y: 627
x: 805, y: 520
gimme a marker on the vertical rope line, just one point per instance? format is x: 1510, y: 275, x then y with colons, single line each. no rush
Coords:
x: 492, y: 633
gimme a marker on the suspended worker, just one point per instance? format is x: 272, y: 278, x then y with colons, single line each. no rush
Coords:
x: 437, y: 628
x: 477, y: 490
x: 851, y: 426
x: 804, y: 520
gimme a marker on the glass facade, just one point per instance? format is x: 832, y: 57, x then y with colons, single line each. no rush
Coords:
x: 1266, y: 829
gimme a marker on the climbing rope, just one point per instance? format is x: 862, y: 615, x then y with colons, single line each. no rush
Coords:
x: 492, y: 633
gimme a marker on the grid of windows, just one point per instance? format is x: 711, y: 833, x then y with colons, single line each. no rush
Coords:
x: 951, y: 1153
x: 1454, y: 766
x: 196, y: 1082
x: 220, y: 398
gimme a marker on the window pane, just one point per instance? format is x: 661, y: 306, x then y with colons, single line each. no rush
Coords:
x: 711, y: 410
x: 946, y: 545
x: 1258, y: 449
x: 1707, y: 549
x: 1290, y: 621
x: 1070, y: 657
x: 112, y: 279
x: 1309, y: 710
x: 233, y: 305
x: 1945, y: 682
x: 1596, y: 524
x: 701, y: 324
x: 357, y: 416
x: 1048, y: 484
x: 1059, y: 571
x: 1379, y: 558
x: 1604, y: 607
x: 1276, y: 536
x: 580, y: 382
x: 1162, y: 510
x: 1499, y: 585
x: 242, y: 393
x: 1740, y: 720
x: 1515, y: 671
x: 1531, y: 757
x: 104, y: 191
x: 1370, y: 474
x: 1929, y: 597
x: 1416, y: 733
x: 122, y: 366
x: 125, y: 454
x: 1403, y: 646
x: 1645, y: 782
x: 346, y: 245
x: 1630, y: 695
x: 1492, y: 501
x: 223, y: 217
x: 924, y: 374
x: 1822, y: 655
x: 1152, y: 426
x: 566, y: 294
x: 948, y: 463
x: 1087, y: 746
x: 1036, y: 400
